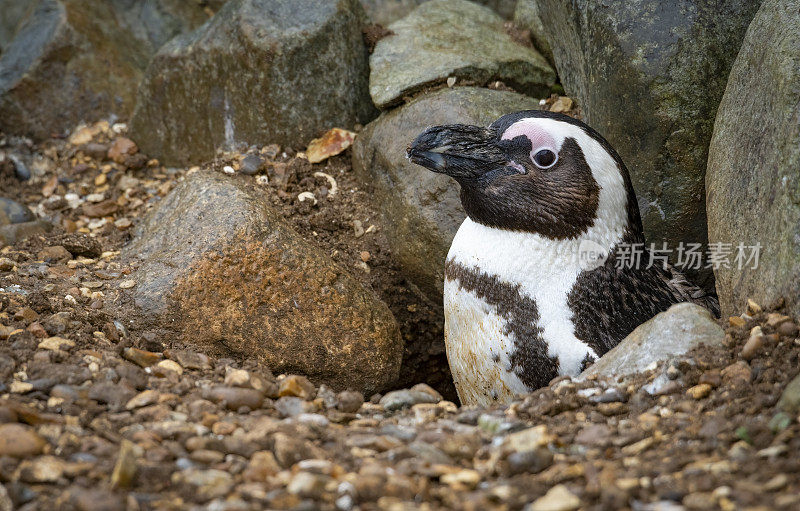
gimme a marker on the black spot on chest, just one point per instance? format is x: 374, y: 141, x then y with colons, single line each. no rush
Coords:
x: 529, y: 360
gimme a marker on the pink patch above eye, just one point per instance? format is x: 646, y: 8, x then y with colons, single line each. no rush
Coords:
x: 530, y: 128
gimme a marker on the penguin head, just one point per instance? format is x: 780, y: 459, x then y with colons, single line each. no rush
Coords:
x: 534, y: 171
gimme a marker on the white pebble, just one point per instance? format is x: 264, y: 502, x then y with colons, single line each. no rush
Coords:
x: 228, y: 170
x: 304, y: 196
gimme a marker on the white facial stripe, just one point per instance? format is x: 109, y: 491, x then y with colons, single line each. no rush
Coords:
x: 539, y: 138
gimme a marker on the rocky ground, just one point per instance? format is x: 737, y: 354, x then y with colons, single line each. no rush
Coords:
x: 95, y: 414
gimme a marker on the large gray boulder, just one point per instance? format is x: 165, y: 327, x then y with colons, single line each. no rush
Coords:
x: 66, y: 61
x: 219, y: 268
x: 421, y: 210
x: 260, y: 71
x: 649, y: 76
x: 452, y: 38
x: 526, y: 16
x: 385, y: 12
x: 669, y: 334
x: 753, y: 178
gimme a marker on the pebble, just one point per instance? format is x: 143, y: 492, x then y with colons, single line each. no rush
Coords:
x: 788, y: 329
x: 349, y: 401
x: 141, y: 358
x: 737, y: 374
x: 126, y: 466
x: 169, y: 366
x: 237, y: 377
x: 700, y: 391
x: 144, y: 398
x: 528, y: 439
x: 262, y: 465
x: 56, y: 344
x: 6, y: 264
x: 208, y: 484
x: 121, y: 148
x: 462, y: 479
x: 297, y: 386
x: 406, y: 398
x: 20, y: 441
x: 251, y: 164
x: 530, y: 462
x: 127, y: 284
x: 308, y: 485
x: 54, y: 254
x: 45, y: 469
x: 235, y: 397
x: 557, y: 498
x: 227, y: 169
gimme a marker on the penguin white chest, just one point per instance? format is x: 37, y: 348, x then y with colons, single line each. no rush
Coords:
x: 508, y: 326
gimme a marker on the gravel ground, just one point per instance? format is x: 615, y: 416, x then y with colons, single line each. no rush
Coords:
x: 95, y: 415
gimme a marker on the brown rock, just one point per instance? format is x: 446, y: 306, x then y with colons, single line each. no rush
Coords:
x: 297, y: 386
x: 737, y: 374
x: 262, y: 465
x: 214, y: 251
x: 100, y: 209
x: 54, y: 254
x: 235, y: 397
x: 121, y: 149
x: 20, y: 441
x: 141, y: 358
x: 699, y: 391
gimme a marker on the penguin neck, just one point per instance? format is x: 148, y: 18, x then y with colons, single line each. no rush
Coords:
x: 516, y: 256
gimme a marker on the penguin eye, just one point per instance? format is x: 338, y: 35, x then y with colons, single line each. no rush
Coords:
x: 544, y: 158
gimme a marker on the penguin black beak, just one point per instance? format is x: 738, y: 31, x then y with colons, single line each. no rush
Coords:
x: 458, y: 150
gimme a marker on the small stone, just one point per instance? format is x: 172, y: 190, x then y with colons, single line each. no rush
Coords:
x: 141, y: 358
x: 349, y: 401
x: 737, y: 374
x: 789, y: 401
x: 237, y: 377
x: 223, y: 428
x: 189, y: 359
x: 126, y: 465
x: 558, y: 498
x: 774, y: 319
x: 6, y: 264
x: 298, y: 386
x: 122, y: 224
x: 127, y: 284
x: 20, y: 441
x: 169, y: 365
x: 291, y: 406
x: 227, y: 169
x: 737, y: 321
x: 234, y: 397
x: 700, y: 391
x: 330, y: 144
x: 406, y: 398
x: 358, y: 228
x: 251, y: 164
x: 307, y: 485
x: 7, y: 415
x: 46, y: 469
x: 561, y: 105
x: 54, y: 254
x: 753, y: 345
x: 753, y: 308
x: 611, y: 409
x: 37, y: 330
x: 365, y: 256
x: 81, y: 136
x: 121, y: 149
x: 788, y: 329
x: 145, y: 398
x: 777, y: 482
x: 261, y: 466
x: 529, y: 462
x: 528, y: 439
x: 56, y: 344
x: 463, y: 479
x: 100, y: 180
x: 208, y: 484
x: 20, y: 387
